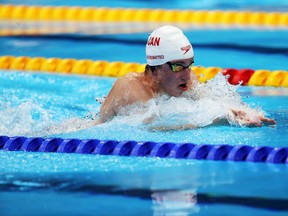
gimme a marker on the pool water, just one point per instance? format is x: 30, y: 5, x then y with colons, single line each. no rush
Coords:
x: 74, y: 184
x: 38, y: 108
x: 232, y: 47
x: 58, y: 105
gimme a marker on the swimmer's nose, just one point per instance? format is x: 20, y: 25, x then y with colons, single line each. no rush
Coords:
x: 186, y: 74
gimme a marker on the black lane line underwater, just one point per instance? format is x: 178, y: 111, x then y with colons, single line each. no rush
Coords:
x: 275, y: 204
x: 110, y: 39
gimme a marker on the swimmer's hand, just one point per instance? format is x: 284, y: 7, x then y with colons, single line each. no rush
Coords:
x: 241, y: 118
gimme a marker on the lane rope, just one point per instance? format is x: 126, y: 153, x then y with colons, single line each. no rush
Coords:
x: 25, y: 19
x: 104, y: 14
x: 147, y: 149
x: 276, y: 78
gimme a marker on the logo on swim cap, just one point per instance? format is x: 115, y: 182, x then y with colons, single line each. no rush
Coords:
x: 186, y: 49
x: 167, y: 43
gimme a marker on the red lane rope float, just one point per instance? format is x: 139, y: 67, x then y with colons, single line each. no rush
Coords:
x: 238, y: 76
x: 277, y: 78
x: 147, y: 149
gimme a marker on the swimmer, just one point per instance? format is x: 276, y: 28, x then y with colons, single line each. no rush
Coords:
x: 169, y: 56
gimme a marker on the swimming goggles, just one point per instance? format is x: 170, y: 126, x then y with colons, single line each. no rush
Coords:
x: 177, y: 67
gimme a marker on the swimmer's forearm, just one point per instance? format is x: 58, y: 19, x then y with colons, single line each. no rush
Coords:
x: 97, y: 122
x: 220, y: 121
x: 169, y: 128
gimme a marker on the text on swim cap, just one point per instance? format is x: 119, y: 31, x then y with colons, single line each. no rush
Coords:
x: 186, y: 49
x: 153, y: 41
x: 155, y: 57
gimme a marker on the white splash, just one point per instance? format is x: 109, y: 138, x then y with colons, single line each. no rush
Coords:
x: 200, y: 106
x: 30, y: 119
x: 66, y: 126
x: 22, y: 119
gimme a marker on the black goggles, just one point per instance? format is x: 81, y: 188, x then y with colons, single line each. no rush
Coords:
x: 177, y: 67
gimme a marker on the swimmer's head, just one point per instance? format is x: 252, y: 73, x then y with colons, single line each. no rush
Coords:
x: 167, y: 43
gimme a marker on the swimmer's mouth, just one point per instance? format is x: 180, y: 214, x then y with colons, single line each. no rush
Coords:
x: 183, y: 87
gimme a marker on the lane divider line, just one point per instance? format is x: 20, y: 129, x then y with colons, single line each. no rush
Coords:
x: 147, y: 149
x: 277, y: 78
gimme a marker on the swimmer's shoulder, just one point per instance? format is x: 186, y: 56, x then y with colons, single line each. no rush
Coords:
x: 133, y: 76
x: 130, y: 79
x: 135, y: 85
x: 127, y: 84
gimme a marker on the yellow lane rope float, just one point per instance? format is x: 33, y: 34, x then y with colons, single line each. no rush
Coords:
x: 64, y: 13
x: 21, y: 19
x: 278, y: 78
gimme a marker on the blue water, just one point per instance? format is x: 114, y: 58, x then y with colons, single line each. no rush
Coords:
x: 227, y: 48
x: 75, y: 184
x: 71, y: 184
x: 37, y: 96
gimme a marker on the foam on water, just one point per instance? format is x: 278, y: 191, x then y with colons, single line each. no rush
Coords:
x: 200, y: 107
x: 31, y: 119
x: 22, y: 119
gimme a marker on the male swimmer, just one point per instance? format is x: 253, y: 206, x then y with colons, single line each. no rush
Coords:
x: 168, y: 71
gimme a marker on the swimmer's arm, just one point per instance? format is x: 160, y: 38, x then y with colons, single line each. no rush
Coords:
x: 150, y: 120
x: 107, y: 111
x: 111, y: 103
x: 106, y: 114
x: 172, y: 128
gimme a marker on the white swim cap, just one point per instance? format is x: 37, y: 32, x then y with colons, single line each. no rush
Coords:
x: 167, y: 43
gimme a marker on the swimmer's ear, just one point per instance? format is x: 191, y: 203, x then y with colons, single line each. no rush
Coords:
x: 155, y: 70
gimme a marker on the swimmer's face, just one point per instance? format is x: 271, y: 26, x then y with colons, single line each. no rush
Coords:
x: 174, y: 81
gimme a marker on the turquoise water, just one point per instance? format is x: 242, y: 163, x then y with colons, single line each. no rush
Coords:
x: 73, y: 184
x: 38, y: 101
x: 221, y: 48
x: 76, y: 184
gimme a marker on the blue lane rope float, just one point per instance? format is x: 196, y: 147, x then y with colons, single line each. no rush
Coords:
x: 147, y: 149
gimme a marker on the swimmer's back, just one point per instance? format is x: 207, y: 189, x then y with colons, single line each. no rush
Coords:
x: 129, y: 89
